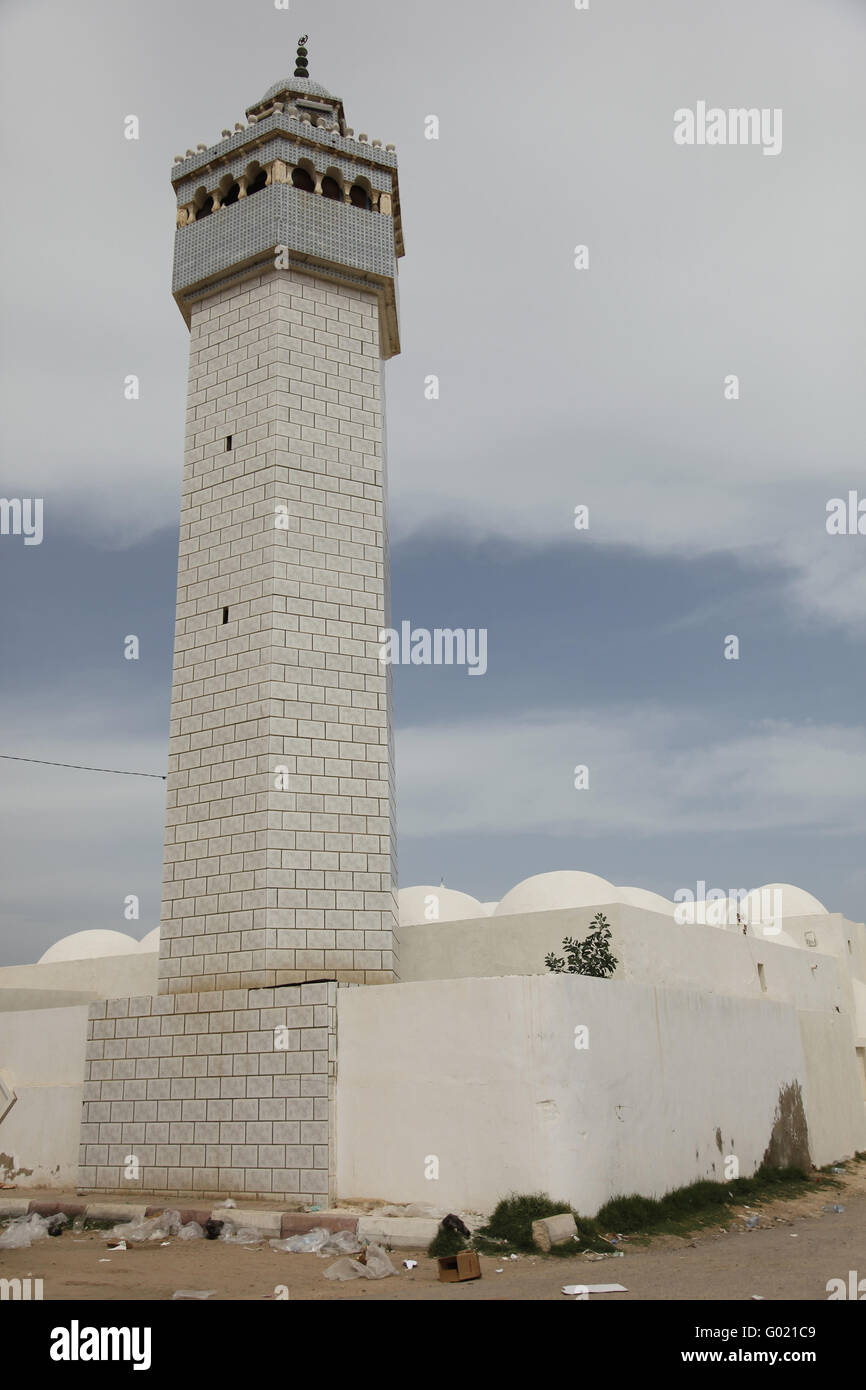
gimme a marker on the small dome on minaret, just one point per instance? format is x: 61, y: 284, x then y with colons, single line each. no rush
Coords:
x: 300, y: 88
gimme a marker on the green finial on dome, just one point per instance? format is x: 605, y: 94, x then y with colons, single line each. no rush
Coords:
x: 301, y: 61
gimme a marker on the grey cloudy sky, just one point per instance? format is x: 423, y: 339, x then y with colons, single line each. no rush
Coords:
x: 558, y: 387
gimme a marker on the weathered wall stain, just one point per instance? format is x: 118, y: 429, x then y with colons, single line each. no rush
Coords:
x: 8, y: 1169
x: 789, y: 1140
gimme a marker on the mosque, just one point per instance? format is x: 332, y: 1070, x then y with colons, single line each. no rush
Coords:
x: 295, y: 1029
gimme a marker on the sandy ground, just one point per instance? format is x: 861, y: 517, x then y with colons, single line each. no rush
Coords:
x: 795, y: 1250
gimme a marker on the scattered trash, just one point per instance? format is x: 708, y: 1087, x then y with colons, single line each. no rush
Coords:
x: 760, y: 1297
x: 580, y: 1289
x: 410, y: 1264
x: 118, y: 1245
x: 500, y: 1271
x: 193, y: 1293
x: 23, y: 1231
x: 105, y: 1261
x: 751, y: 1223
x: 834, y: 1206
x: 374, y: 1264
x: 453, y: 1223
x: 454, y: 1269
x: 314, y: 1208
x: 837, y: 1169
x: 307, y: 1244
x: 229, y: 1202
x: 241, y: 1235
x: 514, y: 1257
x: 78, y: 1225
x: 212, y: 1229
x: 318, y: 1241
x: 191, y: 1231
x: 168, y: 1223
x: 57, y: 1222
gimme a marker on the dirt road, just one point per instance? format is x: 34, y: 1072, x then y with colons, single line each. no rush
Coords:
x: 794, y: 1252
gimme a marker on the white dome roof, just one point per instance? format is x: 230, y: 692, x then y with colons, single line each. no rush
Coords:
x: 87, y: 945
x: 563, y: 888
x: 150, y: 942
x: 643, y: 897
x: 424, y: 903
x: 780, y: 900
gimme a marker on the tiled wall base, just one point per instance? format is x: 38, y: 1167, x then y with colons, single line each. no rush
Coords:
x: 226, y: 1093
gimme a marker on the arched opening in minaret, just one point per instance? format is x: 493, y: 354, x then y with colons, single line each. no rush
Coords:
x: 331, y: 189
x: 204, y: 209
x: 257, y: 183
x: 301, y: 179
x: 360, y: 198
x: 231, y: 195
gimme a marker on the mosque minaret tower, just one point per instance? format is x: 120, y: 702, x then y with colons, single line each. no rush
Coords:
x: 280, y: 847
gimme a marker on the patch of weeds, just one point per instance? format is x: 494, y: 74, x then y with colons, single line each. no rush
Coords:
x: 446, y: 1242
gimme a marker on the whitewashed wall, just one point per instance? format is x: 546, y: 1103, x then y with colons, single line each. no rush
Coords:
x: 42, y: 1058
x: 483, y: 1074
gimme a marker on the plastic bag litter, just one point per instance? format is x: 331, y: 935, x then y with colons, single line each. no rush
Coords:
x: 341, y: 1243
x: 241, y: 1235
x: 320, y: 1242
x: 378, y: 1266
x: 168, y: 1223
x: 23, y: 1231
x: 191, y: 1231
x: 193, y: 1293
x: 310, y: 1243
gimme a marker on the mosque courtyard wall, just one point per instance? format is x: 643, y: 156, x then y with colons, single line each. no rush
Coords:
x: 480, y: 1083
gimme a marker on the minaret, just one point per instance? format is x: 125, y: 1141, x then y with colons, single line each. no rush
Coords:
x: 280, y: 844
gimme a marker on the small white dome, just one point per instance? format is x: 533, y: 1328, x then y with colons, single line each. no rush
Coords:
x: 774, y: 901
x: 424, y: 903
x: 563, y: 888
x: 150, y: 942
x: 87, y: 945
x: 643, y: 897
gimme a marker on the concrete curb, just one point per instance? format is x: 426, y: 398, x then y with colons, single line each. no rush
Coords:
x: 398, y: 1232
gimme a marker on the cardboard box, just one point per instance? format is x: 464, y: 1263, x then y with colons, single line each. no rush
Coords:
x: 453, y: 1269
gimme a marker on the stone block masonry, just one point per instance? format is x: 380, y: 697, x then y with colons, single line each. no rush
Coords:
x: 195, y: 1087
x: 280, y: 844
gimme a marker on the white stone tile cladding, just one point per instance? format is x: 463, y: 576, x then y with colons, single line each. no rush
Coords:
x: 265, y: 887
x: 196, y: 1089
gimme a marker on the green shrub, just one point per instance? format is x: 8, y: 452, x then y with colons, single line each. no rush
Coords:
x: 592, y: 956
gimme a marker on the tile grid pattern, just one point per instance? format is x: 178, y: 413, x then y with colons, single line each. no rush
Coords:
x: 266, y: 886
x: 227, y: 1091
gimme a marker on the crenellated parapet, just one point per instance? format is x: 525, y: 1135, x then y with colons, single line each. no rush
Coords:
x: 295, y: 177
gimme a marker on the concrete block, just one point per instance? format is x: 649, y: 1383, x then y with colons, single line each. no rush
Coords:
x: 257, y: 1218
x: 400, y: 1232
x: 297, y: 1223
x: 116, y: 1211
x: 553, y: 1230
x: 14, y: 1206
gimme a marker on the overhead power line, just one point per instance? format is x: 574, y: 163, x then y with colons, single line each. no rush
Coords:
x: 115, y: 771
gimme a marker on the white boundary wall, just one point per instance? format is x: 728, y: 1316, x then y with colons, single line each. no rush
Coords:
x: 42, y: 1059
x: 484, y: 1075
